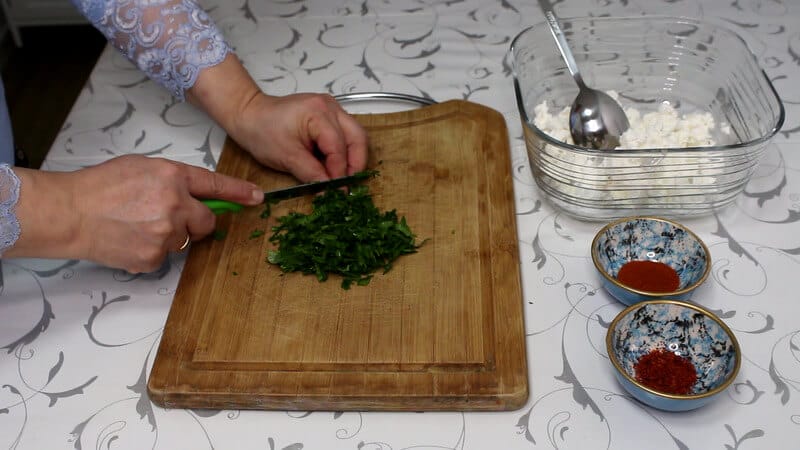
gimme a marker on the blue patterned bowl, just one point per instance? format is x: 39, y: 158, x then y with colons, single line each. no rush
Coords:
x: 683, y: 328
x: 651, y: 239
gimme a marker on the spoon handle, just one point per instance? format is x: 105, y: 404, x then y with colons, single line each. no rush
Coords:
x: 561, y: 42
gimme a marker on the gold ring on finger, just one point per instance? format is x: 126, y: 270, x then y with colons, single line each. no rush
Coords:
x: 185, y: 243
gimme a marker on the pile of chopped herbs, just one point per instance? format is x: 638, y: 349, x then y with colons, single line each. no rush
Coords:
x: 344, y: 234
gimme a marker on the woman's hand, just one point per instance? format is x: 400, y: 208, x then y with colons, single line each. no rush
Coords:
x: 127, y: 213
x: 286, y: 133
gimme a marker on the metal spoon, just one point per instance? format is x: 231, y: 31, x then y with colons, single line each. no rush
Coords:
x: 596, y: 120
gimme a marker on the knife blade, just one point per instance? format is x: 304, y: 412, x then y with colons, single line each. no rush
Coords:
x: 317, y: 186
x: 222, y: 206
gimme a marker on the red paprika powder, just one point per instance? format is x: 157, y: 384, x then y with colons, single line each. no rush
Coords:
x: 666, y: 372
x: 649, y: 276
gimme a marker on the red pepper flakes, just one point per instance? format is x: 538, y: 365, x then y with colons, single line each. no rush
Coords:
x: 664, y: 371
x: 649, y: 276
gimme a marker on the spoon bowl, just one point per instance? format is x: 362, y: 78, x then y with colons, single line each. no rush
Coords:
x: 596, y: 120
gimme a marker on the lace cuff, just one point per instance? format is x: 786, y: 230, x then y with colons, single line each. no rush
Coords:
x: 9, y: 195
x: 169, y: 40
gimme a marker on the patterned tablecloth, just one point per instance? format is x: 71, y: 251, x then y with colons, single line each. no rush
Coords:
x: 78, y: 340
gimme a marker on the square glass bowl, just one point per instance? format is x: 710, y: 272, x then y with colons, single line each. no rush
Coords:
x: 693, y: 66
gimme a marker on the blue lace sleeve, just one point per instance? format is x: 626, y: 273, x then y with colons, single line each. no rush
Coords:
x: 169, y: 40
x: 9, y: 195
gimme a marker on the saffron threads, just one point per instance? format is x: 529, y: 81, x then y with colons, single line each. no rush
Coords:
x: 649, y: 276
x: 666, y: 372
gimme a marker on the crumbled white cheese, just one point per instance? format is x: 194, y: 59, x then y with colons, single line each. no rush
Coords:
x: 585, y: 182
x: 663, y: 128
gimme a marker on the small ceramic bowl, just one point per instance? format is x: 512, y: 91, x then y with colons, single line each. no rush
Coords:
x: 685, y: 329
x: 650, y: 239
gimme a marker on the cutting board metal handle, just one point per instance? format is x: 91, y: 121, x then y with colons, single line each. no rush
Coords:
x: 367, y: 96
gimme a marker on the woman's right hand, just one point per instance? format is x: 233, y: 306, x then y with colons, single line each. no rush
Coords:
x: 126, y: 213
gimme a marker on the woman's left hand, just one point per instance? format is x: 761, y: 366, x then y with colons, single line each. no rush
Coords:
x: 308, y: 135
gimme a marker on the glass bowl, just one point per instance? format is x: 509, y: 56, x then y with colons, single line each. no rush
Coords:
x: 684, y: 329
x: 690, y: 65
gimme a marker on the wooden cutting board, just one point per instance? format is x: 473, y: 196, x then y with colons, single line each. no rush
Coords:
x: 442, y: 330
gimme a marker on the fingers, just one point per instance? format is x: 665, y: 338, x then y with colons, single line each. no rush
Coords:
x: 200, y: 222
x: 172, y: 233
x: 331, y: 144
x: 198, y: 218
x: 306, y: 168
x: 356, y: 141
x: 341, y: 140
x: 203, y: 183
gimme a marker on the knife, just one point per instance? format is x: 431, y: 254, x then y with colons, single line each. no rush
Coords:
x: 222, y: 206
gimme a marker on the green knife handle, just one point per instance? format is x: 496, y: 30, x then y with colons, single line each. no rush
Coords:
x: 222, y: 206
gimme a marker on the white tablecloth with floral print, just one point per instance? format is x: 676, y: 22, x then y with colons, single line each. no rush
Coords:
x: 78, y: 340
